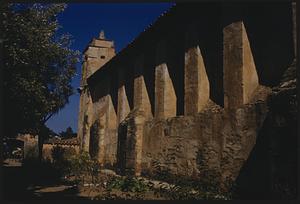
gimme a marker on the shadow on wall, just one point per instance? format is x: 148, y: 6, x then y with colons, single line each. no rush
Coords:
x: 94, y: 140
x: 121, y: 150
x: 269, y: 33
x: 149, y: 75
x: 269, y: 28
x: 254, y: 179
x: 109, y: 83
x: 271, y: 39
x: 175, y: 64
x: 210, y: 41
x: 114, y: 89
x: 271, y: 169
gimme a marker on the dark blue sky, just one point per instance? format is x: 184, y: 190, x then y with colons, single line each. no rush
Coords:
x: 121, y: 22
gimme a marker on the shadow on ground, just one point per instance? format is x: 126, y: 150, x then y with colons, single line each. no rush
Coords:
x: 20, y: 183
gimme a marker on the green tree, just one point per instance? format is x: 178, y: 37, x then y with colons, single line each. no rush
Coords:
x: 38, y: 66
x: 68, y: 133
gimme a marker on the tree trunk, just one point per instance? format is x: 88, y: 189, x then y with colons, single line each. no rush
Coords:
x: 41, y: 136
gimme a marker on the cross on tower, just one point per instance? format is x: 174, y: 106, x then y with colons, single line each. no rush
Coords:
x: 101, y: 35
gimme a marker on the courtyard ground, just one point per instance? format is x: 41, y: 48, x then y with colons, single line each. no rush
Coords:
x: 18, y: 181
x: 40, y: 183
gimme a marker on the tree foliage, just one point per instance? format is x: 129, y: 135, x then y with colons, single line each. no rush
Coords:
x: 67, y: 134
x: 38, y: 65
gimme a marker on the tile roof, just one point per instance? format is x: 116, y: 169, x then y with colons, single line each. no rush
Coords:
x: 55, y: 141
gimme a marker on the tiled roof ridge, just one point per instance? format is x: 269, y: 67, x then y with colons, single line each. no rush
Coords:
x: 69, y: 141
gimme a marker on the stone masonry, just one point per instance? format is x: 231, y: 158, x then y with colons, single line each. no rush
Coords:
x: 189, y: 94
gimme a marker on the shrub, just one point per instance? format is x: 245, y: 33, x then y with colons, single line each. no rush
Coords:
x: 61, y: 159
x: 207, y: 187
x: 69, y: 152
x: 82, y: 165
x: 31, y: 152
x: 128, y: 184
x: 57, y: 153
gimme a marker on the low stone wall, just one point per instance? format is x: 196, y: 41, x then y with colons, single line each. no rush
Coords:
x: 47, y: 150
x: 31, y: 149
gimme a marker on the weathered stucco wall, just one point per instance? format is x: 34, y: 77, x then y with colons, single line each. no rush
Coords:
x: 48, y: 148
x: 31, y: 149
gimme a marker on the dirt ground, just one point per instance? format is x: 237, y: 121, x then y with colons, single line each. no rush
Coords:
x: 17, y: 182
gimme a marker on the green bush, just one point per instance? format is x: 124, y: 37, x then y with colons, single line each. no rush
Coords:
x: 61, y: 160
x: 57, y: 153
x: 31, y: 152
x: 208, y: 187
x: 69, y: 152
x: 127, y: 184
x: 82, y: 165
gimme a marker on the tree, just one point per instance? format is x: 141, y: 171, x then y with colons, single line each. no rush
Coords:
x: 49, y: 133
x: 38, y: 66
x: 68, y: 133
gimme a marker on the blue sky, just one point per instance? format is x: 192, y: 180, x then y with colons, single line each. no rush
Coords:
x: 121, y: 22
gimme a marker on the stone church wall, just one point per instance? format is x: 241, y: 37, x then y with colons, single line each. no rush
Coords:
x: 189, y: 94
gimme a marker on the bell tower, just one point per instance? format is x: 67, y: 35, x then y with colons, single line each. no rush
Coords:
x: 99, y: 51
